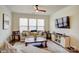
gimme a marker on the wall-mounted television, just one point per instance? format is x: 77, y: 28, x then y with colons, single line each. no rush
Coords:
x: 63, y: 22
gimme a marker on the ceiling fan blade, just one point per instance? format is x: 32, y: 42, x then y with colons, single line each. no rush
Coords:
x: 42, y: 10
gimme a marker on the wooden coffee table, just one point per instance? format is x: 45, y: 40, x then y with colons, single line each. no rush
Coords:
x: 31, y: 40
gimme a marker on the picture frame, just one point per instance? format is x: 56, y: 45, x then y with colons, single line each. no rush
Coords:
x: 5, y: 21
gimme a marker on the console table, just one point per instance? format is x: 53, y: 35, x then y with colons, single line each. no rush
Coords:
x: 61, y: 39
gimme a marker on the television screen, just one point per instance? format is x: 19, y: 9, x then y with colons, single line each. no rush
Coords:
x: 60, y: 20
x: 63, y: 22
x: 60, y: 25
x: 64, y: 19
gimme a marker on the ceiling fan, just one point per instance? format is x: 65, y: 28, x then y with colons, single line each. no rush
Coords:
x: 38, y: 10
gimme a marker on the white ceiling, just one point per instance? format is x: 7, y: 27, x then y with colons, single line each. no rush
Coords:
x: 50, y: 9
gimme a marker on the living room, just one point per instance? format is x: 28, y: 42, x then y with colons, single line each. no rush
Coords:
x: 40, y: 24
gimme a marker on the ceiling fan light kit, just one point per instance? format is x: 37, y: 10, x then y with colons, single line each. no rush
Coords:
x: 36, y: 10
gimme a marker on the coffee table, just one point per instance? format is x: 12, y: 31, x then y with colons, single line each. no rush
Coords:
x: 31, y: 40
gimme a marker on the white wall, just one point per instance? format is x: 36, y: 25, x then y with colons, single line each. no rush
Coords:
x: 4, y: 34
x: 73, y: 32
x: 16, y: 16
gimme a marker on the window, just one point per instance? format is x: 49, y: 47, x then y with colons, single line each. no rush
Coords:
x: 40, y: 24
x: 23, y: 24
x: 32, y: 24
